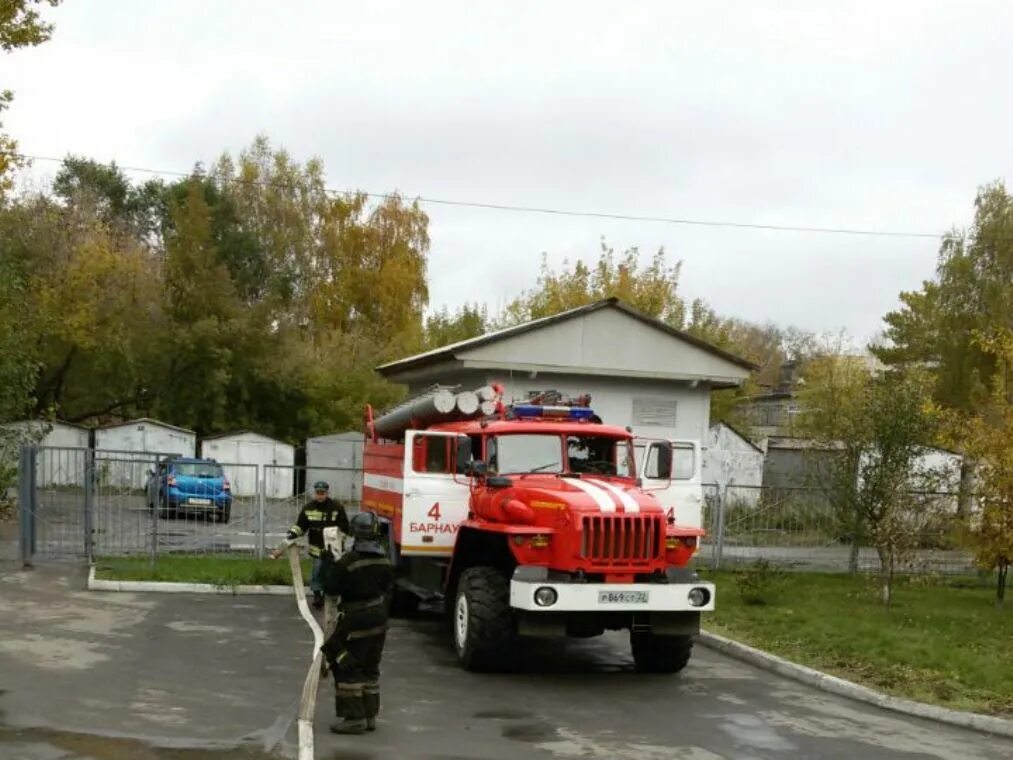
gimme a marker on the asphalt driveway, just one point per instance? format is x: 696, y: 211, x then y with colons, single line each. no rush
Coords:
x: 106, y: 676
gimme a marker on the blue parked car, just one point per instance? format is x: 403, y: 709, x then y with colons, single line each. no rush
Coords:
x: 190, y: 485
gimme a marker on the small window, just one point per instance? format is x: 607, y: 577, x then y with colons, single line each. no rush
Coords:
x: 683, y: 461
x: 679, y: 460
x: 431, y: 453
x: 659, y: 462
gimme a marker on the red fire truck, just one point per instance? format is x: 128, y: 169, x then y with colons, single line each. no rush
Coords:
x: 529, y: 520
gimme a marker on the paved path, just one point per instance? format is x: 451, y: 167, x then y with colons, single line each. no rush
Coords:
x: 114, y: 676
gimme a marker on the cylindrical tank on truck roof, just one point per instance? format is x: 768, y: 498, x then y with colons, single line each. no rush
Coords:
x: 421, y: 412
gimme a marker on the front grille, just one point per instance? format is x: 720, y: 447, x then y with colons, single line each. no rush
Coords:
x: 622, y: 539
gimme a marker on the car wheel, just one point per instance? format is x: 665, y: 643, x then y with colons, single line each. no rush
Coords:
x: 225, y: 514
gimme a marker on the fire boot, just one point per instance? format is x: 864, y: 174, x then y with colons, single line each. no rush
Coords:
x: 371, y: 724
x: 350, y: 726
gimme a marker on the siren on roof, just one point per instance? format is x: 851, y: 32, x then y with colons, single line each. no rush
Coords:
x: 538, y: 411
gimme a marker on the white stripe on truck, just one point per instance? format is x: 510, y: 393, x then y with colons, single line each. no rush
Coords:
x: 601, y: 498
x: 628, y: 502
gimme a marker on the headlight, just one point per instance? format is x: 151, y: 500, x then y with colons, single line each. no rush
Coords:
x: 545, y: 596
x: 698, y: 597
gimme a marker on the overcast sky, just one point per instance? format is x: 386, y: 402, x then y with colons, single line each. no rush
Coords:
x: 878, y: 115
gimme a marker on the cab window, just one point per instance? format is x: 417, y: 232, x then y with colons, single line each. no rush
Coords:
x: 683, y: 461
x: 599, y: 455
x: 431, y: 453
x: 677, y: 462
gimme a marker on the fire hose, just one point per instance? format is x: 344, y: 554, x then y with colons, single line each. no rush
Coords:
x: 308, y: 701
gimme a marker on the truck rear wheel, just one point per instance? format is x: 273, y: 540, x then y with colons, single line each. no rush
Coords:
x: 654, y: 653
x: 481, y: 619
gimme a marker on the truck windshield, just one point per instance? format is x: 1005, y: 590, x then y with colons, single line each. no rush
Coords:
x: 590, y: 454
x: 513, y: 454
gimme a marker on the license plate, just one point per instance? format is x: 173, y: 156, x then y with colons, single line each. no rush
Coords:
x: 201, y: 502
x: 622, y: 597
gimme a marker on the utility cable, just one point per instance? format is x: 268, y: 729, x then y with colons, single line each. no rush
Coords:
x: 542, y: 209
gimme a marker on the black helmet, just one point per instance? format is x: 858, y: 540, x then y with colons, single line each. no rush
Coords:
x: 364, y: 526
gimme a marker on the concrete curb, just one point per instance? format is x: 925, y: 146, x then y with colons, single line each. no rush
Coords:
x: 825, y: 682
x: 96, y: 584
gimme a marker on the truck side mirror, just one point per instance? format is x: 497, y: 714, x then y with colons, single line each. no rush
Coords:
x: 477, y: 469
x: 463, y: 457
x: 665, y: 461
x: 658, y: 467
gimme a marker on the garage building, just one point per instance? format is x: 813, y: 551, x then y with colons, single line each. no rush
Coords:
x: 247, y: 456
x: 638, y: 370
x: 337, y: 460
x: 126, y: 451
x: 61, y: 460
x: 731, y: 459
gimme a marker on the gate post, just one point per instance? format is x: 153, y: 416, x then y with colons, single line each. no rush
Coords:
x: 719, y: 541
x: 89, y: 504
x: 26, y: 503
x: 154, y: 538
x: 261, y: 499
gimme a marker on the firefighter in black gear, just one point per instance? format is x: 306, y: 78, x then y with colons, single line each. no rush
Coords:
x: 322, y: 512
x: 363, y: 577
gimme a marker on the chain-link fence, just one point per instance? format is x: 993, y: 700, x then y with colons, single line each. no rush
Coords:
x: 810, y: 529
x: 84, y: 503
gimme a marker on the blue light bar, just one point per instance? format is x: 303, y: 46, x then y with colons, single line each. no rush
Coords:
x: 553, y: 412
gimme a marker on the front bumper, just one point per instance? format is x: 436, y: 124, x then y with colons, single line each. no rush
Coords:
x: 610, y: 597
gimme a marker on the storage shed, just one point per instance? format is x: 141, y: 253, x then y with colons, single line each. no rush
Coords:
x: 336, y: 459
x: 126, y: 451
x: 731, y: 459
x: 61, y: 458
x: 247, y: 456
x: 638, y: 370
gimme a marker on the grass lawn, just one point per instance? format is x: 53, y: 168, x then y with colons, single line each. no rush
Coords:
x: 221, y: 571
x: 942, y: 640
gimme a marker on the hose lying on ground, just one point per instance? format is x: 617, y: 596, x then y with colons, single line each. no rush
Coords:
x: 308, y: 702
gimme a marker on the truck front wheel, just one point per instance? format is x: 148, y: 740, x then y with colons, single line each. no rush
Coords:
x: 654, y: 653
x: 482, y: 622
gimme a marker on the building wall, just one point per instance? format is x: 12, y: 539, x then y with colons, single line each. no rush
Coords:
x: 249, y: 457
x: 612, y: 398
x: 604, y: 342
x: 336, y: 460
x: 795, y: 467
x: 729, y: 460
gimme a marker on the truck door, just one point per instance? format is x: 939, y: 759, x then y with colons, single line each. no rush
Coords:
x: 682, y: 496
x: 435, y: 495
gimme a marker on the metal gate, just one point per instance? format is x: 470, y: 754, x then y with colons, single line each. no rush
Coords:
x: 79, y: 503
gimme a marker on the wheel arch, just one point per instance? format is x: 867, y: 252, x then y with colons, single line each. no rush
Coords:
x: 476, y: 547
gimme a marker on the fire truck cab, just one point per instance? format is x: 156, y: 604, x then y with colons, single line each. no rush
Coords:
x: 535, y: 521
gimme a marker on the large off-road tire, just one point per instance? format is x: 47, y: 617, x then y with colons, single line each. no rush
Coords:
x: 481, y: 620
x: 654, y: 653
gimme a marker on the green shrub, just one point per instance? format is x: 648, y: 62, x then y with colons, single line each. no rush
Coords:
x: 758, y: 582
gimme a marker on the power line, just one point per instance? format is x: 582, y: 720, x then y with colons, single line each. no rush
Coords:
x: 548, y: 211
